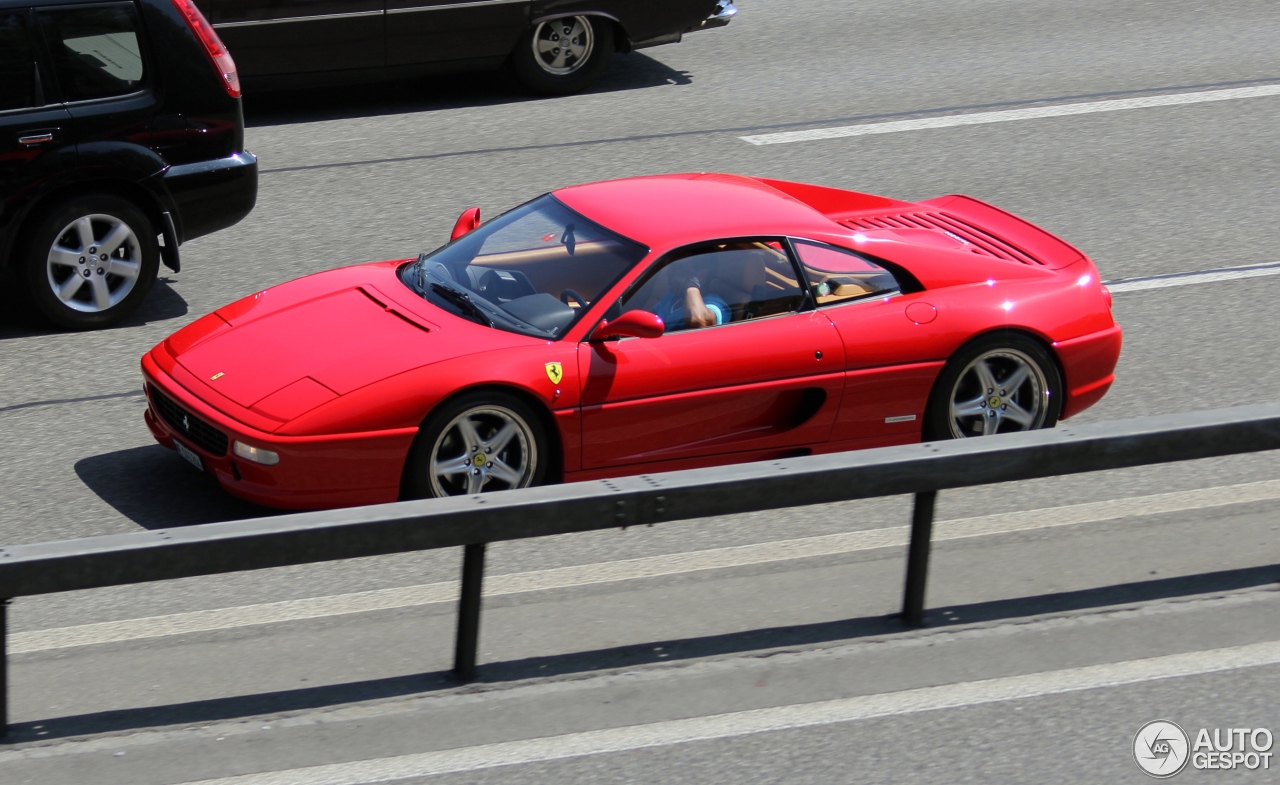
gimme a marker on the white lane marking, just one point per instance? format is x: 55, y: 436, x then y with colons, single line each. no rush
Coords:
x: 781, y: 718
x: 334, y: 141
x: 1008, y: 115
x: 1186, y: 279
x: 632, y: 569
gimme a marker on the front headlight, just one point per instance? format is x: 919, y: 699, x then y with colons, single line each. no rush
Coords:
x: 256, y: 454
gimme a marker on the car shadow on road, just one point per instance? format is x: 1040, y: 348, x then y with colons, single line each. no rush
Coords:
x: 451, y: 91
x: 162, y: 304
x: 156, y: 489
x: 501, y: 674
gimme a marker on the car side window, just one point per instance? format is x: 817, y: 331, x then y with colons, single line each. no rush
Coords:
x: 735, y: 281
x: 95, y: 50
x: 837, y: 275
x: 17, y: 63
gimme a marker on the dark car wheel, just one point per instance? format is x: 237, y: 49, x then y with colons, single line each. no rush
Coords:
x: 564, y: 55
x: 90, y: 261
x: 479, y: 442
x: 1000, y: 383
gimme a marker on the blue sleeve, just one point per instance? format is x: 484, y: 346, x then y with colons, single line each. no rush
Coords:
x: 718, y: 306
x: 670, y: 310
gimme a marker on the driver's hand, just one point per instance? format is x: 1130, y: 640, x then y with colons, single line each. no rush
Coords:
x: 698, y: 314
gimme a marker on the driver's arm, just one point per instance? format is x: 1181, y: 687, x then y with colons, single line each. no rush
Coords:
x: 698, y: 311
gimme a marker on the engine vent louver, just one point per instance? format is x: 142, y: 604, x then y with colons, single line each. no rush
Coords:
x: 205, y: 436
x: 976, y: 239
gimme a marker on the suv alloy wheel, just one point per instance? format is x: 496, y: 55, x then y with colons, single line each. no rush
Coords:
x: 90, y: 261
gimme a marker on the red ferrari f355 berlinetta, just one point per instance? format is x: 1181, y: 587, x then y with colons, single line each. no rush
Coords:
x: 633, y: 326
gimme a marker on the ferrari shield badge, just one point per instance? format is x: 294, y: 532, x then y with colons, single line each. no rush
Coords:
x: 555, y: 372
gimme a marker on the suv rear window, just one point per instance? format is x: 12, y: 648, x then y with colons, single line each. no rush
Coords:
x: 95, y: 50
x: 17, y: 63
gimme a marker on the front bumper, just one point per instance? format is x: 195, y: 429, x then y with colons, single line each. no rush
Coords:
x: 723, y: 15
x: 314, y: 472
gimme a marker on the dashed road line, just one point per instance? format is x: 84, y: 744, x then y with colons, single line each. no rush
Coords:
x: 780, y: 718
x: 1186, y: 279
x: 1011, y: 115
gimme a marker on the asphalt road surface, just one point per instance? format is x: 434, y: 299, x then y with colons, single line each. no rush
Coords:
x: 1064, y: 613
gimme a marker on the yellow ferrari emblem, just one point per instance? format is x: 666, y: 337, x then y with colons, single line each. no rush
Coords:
x: 479, y: 459
x: 555, y: 372
x: 216, y: 376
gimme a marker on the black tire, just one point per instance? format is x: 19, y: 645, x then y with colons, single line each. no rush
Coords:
x: 539, y: 72
x: 1035, y: 403
x: 62, y: 248
x: 526, y: 452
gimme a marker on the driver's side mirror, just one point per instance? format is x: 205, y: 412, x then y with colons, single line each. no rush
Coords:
x: 468, y: 221
x: 632, y: 324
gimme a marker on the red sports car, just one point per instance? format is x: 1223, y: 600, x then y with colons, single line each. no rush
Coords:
x: 632, y: 326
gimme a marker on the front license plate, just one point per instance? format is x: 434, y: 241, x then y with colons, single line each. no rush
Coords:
x: 191, y: 457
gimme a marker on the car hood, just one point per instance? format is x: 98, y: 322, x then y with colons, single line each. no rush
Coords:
x: 285, y: 351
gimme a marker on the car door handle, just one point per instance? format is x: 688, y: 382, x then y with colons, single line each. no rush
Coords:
x: 34, y: 139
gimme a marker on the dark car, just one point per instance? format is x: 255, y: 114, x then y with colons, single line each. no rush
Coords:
x: 121, y: 137
x: 551, y: 46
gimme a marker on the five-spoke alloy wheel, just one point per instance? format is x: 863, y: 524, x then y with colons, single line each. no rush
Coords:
x: 478, y: 442
x: 1001, y: 383
x: 90, y: 262
x: 563, y: 55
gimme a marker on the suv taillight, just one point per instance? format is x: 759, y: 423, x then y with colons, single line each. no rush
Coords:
x: 212, y: 44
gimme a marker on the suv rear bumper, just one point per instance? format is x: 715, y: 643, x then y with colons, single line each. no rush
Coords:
x: 212, y: 195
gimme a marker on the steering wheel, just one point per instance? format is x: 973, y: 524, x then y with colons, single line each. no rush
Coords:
x: 569, y: 294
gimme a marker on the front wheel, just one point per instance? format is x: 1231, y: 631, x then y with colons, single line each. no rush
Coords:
x: 1001, y: 383
x: 564, y: 55
x: 90, y: 261
x: 479, y: 442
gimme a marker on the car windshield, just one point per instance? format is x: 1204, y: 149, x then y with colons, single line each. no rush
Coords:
x: 533, y: 270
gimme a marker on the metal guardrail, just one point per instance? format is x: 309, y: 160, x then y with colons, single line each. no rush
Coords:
x: 471, y: 522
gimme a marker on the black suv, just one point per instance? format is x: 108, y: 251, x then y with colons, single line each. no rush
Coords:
x: 121, y: 137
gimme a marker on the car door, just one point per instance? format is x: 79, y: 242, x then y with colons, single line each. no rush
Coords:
x: 99, y: 59
x: 436, y: 31
x: 33, y: 129
x: 275, y: 37
x: 767, y: 377
x: 889, y: 340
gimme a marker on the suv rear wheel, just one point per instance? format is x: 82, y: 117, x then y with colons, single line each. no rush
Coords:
x: 90, y: 261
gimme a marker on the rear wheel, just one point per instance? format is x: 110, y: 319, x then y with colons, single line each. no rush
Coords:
x: 564, y: 55
x: 479, y: 442
x: 90, y: 261
x: 1001, y: 383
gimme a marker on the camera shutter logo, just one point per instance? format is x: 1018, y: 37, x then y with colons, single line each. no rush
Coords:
x: 1161, y: 748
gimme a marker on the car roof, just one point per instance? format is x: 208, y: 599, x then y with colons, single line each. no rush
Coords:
x: 666, y: 211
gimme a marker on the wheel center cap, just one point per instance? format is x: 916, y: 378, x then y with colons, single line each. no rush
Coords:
x: 479, y: 460
x: 994, y: 402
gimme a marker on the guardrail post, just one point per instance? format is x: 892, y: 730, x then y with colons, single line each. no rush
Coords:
x: 918, y: 558
x: 464, y: 652
x: 4, y: 667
